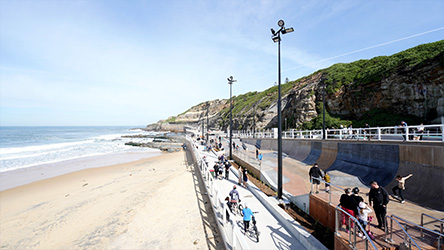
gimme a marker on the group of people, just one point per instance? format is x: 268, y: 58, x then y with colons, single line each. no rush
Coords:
x: 315, y: 174
x: 221, y: 165
x: 353, y: 204
x: 233, y: 200
x: 419, y: 131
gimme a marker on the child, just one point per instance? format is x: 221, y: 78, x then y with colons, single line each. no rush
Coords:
x: 363, y: 211
x: 327, y: 182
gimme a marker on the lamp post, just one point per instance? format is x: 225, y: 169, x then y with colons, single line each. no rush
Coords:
x: 276, y: 37
x: 324, y: 136
x: 230, y: 81
x: 208, y: 125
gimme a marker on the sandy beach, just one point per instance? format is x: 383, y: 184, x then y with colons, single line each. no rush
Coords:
x: 153, y: 203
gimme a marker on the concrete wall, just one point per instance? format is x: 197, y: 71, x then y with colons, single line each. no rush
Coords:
x: 373, y: 160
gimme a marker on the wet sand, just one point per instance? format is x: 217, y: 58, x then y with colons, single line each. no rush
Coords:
x: 153, y: 203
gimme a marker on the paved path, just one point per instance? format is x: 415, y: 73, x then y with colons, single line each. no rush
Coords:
x: 272, y: 233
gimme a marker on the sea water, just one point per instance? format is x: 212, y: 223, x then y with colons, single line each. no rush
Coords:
x: 22, y: 147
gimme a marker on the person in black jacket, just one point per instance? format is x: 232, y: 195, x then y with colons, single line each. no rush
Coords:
x: 357, y: 198
x: 315, y: 174
x: 379, y: 197
x: 347, y: 202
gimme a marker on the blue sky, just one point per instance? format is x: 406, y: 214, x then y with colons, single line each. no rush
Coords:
x: 76, y: 62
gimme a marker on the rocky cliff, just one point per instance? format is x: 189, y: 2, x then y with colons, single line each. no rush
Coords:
x: 408, y: 84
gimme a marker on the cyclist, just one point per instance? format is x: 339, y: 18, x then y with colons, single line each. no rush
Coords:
x: 247, y: 217
x: 234, y: 197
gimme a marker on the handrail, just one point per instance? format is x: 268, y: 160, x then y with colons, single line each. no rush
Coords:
x: 440, y: 220
x: 237, y: 236
x: 414, y: 224
x: 440, y: 235
x: 368, y: 239
x: 390, y: 133
x: 321, y: 180
x: 402, y: 228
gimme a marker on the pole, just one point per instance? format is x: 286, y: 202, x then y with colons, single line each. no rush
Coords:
x: 279, y: 124
x: 231, y: 128
x: 208, y: 126
x: 323, y: 111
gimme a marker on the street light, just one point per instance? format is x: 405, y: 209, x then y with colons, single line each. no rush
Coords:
x: 277, y: 39
x: 324, y: 136
x: 208, y: 125
x: 230, y: 81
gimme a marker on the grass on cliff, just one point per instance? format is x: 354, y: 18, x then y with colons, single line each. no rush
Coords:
x: 375, y: 69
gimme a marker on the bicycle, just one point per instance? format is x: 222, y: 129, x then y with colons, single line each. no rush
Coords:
x: 236, y: 207
x: 255, y: 230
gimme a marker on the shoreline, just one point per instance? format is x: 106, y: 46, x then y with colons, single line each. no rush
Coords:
x: 22, y: 176
x: 135, y: 205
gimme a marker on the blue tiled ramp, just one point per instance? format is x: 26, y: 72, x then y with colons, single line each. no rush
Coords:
x: 368, y: 162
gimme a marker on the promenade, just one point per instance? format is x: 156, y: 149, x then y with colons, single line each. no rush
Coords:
x: 297, y: 187
x: 277, y: 229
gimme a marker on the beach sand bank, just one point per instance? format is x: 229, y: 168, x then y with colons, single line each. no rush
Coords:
x: 153, y: 203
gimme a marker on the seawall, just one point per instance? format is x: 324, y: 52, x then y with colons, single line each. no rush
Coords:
x: 374, y: 160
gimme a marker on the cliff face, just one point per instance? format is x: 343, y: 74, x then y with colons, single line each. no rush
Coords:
x: 405, y: 90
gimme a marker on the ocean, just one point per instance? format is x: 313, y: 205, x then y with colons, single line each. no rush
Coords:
x: 22, y: 147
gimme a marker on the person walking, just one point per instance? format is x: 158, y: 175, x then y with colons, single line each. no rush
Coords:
x: 260, y: 159
x: 239, y: 181
x: 245, y: 177
x: 227, y: 169
x: 378, y: 196
x: 400, y: 187
x: 257, y: 153
x: 247, y: 217
x: 348, y: 205
x: 404, y: 125
x: 327, y: 180
x: 315, y: 173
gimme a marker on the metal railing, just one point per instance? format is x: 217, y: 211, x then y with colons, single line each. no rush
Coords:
x: 329, y: 183
x: 408, y: 133
x: 352, y: 240
x: 406, y: 235
x: 230, y: 230
x: 441, y: 222
x: 409, y: 226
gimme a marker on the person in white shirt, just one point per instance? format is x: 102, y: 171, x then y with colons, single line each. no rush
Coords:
x: 400, y: 187
x: 363, y: 211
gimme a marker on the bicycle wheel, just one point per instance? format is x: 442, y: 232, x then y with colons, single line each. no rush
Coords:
x: 240, y: 207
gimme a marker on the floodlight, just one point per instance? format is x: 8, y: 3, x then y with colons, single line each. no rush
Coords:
x: 276, y: 39
x: 288, y: 30
x: 273, y: 32
x: 281, y: 23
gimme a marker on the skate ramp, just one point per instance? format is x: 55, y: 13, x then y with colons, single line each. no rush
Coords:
x: 315, y: 153
x: 328, y: 154
x: 426, y: 163
x: 298, y: 150
x: 368, y: 162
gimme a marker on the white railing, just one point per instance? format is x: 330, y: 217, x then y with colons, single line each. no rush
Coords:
x: 409, y: 133
x: 231, y: 232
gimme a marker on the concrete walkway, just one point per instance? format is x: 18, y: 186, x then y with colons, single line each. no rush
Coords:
x: 272, y: 222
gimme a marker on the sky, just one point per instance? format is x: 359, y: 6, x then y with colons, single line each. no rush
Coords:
x: 132, y: 63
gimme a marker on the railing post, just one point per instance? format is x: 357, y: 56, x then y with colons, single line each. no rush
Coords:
x: 442, y: 138
x: 379, y: 133
x: 340, y: 134
x: 407, y: 133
